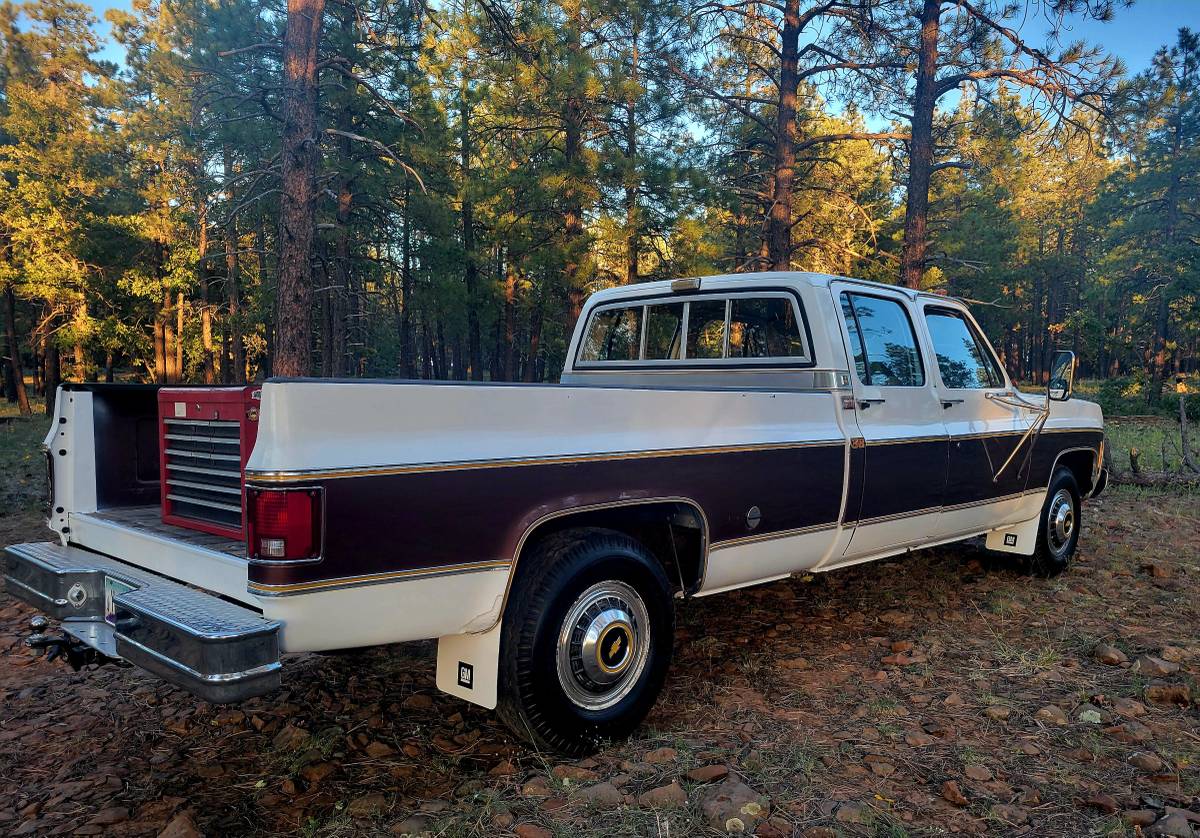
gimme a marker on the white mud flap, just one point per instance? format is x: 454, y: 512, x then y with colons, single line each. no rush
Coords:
x: 1016, y: 538
x: 468, y: 666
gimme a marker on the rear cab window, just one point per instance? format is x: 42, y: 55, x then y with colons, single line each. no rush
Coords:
x: 754, y: 328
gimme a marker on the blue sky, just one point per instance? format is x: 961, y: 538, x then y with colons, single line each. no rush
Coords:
x: 1134, y: 34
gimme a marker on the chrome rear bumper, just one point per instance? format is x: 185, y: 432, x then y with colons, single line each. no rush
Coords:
x: 213, y: 648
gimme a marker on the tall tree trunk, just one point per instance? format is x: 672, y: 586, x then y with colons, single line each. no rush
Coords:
x: 14, y: 350
x: 169, y: 338
x: 632, y: 175
x: 471, y: 263
x: 573, y: 116
x: 260, y: 241
x: 160, y: 344
x: 297, y: 206
x: 510, y: 322
x: 920, y: 155
x: 206, y: 336
x: 408, y: 368
x: 179, y: 312
x: 233, y: 279
x: 779, y: 218
x: 53, y: 373
x: 535, y: 339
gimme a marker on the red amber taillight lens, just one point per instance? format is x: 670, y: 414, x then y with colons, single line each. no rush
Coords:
x: 283, y: 525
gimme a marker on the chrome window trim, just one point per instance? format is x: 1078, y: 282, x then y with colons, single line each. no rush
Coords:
x: 980, y: 338
x: 798, y: 311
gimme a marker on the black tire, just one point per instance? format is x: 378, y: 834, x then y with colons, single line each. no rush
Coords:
x: 558, y: 576
x: 1057, y: 538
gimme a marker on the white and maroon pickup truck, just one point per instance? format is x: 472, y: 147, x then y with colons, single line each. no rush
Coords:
x: 708, y: 434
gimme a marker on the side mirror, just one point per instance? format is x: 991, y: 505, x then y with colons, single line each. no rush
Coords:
x: 1062, y: 376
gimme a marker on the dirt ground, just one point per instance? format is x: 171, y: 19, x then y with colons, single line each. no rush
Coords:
x: 941, y: 692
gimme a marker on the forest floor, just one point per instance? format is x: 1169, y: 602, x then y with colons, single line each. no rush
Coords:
x: 941, y: 692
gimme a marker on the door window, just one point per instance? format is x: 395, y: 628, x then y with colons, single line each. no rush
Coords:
x: 885, y: 346
x: 963, y: 360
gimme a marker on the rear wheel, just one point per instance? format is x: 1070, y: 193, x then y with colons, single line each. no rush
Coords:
x: 586, y: 640
x: 1058, y: 530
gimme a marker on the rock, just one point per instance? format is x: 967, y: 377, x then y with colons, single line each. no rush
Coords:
x: 918, y: 739
x: 1052, y: 714
x: 290, y: 738
x: 659, y: 756
x: 1128, y: 708
x: 979, y: 773
x: 602, y: 793
x: 902, y: 646
x: 1173, y: 825
x: 664, y: 797
x: 574, y: 772
x: 997, y: 712
x: 1157, y: 570
x: 952, y: 793
x: 1139, y: 817
x: 417, y: 701
x: 820, y: 832
x: 317, y: 772
x: 1010, y: 814
x: 1146, y: 761
x: 1110, y: 655
x: 537, y: 787
x: 110, y: 816
x: 853, y: 813
x: 1174, y: 654
x: 367, y: 806
x: 1168, y: 694
x: 532, y: 830
x: 1154, y: 667
x: 882, y: 769
x: 416, y: 825
x: 1104, y: 802
x: 733, y: 799
x: 708, y: 773
x: 1131, y: 732
x: 181, y: 826
x: 1030, y: 749
x: 504, y: 768
x: 379, y: 750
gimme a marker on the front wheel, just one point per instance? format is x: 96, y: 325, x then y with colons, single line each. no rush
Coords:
x: 1058, y: 530
x: 586, y: 640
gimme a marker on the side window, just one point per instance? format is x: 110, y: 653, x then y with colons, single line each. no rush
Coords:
x: 615, y: 334
x: 764, y: 327
x: 962, y: 357
x: 856, y: 347
x: 664, y: 331
x: 886, y: 342
x: 706, y: 329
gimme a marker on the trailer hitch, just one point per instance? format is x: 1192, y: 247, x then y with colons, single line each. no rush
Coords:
x: 75, y: 652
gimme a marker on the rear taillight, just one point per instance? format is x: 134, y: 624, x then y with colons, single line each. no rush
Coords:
x: 283, y: 524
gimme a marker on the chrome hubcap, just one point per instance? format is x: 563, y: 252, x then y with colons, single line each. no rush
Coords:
x: 1060, y: 520
x: 603, y: 645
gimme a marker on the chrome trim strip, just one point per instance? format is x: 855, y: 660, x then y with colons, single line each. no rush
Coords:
x: 215, y: 678
x: 266, y: 590
x: 286, y: 476
x: 905, y: 440
x: 772, y: 536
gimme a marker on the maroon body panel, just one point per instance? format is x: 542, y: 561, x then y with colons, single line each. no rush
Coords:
x: 389, y: 523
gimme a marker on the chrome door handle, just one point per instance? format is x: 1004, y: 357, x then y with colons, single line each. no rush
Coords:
x: 948, y: 403
x: 865, y: 403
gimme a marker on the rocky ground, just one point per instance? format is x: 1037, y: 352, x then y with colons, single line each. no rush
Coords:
x: 937, y: 693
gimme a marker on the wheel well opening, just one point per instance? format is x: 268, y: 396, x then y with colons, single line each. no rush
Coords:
x: 1080, y: 463
x: 673, y: 532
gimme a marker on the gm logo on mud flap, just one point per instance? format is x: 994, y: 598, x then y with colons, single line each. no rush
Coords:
x: 466, y: 675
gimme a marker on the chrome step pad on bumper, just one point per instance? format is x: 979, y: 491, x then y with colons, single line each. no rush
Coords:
x: 217, y: 650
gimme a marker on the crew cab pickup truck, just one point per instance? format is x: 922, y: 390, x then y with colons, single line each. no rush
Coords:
x: 708, y: 433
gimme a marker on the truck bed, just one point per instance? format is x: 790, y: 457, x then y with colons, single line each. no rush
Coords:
x: 148, y: 519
